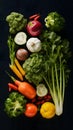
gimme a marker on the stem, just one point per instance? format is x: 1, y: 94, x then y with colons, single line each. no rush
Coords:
x: 53, y: 84
x: 57, y: 80
x: 48, y: 85
x: 61, y: 94
x: 10, y: 76
x: 63, y: 83
x: 59, y: 108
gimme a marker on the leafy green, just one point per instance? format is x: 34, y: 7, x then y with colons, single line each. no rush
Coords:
x: 57, y: 74
x: 54, y: 21
x: 33, y: 68
x: 14, y: 104
x: 16, y: 22
x: 12, y: 46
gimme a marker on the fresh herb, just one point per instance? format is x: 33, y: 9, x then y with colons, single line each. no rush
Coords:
x: 56, y: 72
x: 11, y: 46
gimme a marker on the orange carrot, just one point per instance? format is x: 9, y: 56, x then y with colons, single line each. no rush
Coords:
x: 19, y: 67
x: 16, y: 71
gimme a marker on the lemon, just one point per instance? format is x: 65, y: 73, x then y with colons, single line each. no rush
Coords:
x: 47, y: 110
x: 41, y: 90
x: 20, y: 38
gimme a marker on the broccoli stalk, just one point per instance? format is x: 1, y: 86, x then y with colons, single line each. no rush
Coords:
x: 14, y: 104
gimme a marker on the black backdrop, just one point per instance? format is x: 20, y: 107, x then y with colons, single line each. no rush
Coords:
x: 29, y: 7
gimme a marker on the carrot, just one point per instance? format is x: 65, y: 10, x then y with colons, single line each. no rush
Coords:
x: 16, y: 71
x: 12, y: 86
x: 19, y: 67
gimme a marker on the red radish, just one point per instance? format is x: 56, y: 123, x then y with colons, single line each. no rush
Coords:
x: 12, y: 86
x: 34, y: 26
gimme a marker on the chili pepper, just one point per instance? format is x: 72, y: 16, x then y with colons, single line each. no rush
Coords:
x: 33, y: 16
x: 12, y: 86
x: 37, y: 17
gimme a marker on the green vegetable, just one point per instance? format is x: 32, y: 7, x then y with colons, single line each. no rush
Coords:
x: 33, y: 67
x: 12, y: 47
x: 56, y: 72
x: 16, y: 22
x: 54, y: 21
x: 14, y: 104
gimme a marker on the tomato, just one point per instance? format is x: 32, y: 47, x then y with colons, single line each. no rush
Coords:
x: 30, y: 110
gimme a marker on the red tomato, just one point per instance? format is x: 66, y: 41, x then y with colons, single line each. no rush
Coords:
x: 30, y: 110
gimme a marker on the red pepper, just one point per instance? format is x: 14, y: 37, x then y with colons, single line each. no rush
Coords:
x: 33, y: 16
x: 37, y: 17
x: 12, y: 86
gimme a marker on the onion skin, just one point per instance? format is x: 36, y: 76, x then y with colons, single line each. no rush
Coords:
x: 22, y: 54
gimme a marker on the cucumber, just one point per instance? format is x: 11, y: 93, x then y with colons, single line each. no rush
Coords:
x: 20, y: 38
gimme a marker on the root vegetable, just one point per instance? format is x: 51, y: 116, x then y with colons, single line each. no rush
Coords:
x: 22, y: 54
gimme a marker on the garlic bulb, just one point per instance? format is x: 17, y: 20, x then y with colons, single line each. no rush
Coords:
x: 33, y: 44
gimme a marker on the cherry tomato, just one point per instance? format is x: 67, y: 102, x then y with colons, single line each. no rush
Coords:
x: 30, y: 110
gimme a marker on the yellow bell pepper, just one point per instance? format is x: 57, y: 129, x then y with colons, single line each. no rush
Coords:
x: 47, y: 110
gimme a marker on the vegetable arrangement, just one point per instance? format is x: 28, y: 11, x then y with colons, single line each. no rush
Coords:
x: 38, y: 60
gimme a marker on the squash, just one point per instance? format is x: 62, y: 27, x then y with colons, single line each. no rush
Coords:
x: 33, y: 44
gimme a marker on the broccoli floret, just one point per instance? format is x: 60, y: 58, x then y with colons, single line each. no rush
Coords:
x: 14, y: 104
x: 16, y: 22
x: 54, y: 21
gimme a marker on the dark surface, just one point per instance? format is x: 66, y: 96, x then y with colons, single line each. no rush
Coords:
x: 29, y: 7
